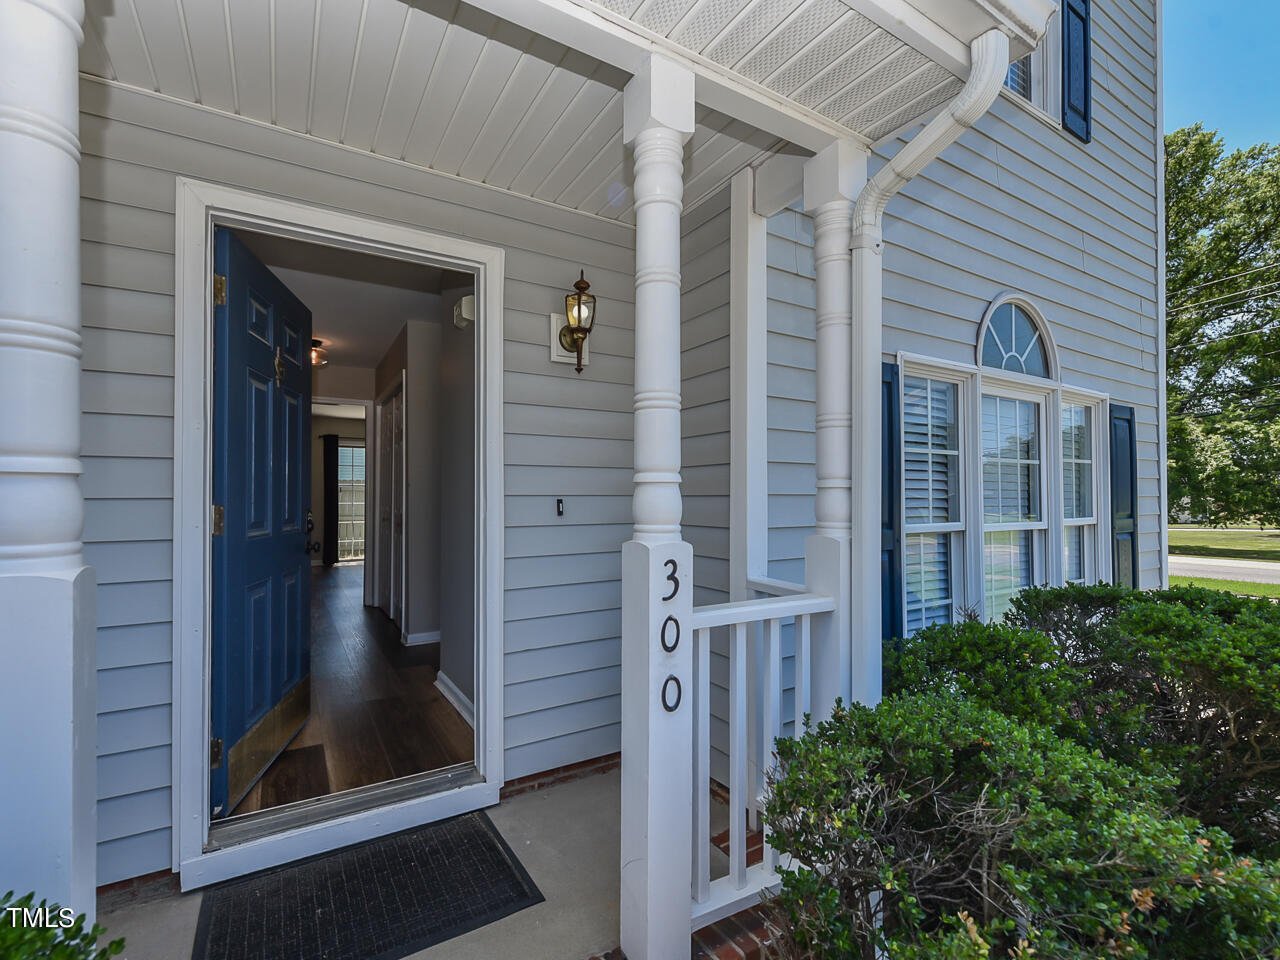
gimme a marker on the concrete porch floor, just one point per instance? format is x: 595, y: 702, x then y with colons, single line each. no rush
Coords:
x: 565, y: 835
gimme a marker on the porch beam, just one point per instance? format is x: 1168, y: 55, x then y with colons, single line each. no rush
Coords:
x: 657, y: 565
x: 47, y: 619
x: 614, y: 39
x: 832, y: 181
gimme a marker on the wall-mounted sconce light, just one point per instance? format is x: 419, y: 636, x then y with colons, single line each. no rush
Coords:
x: 464, y: 312
x: 319, y: 356
x: 580, y: 312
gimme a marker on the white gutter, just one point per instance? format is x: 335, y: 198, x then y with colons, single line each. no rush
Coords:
x: 989, y: 56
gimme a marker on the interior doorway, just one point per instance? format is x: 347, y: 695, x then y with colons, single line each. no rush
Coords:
x: 331, y: 621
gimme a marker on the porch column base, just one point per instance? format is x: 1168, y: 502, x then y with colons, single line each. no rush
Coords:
x: 47, y: 712
x: 828, y: 569
x: 657, y: 748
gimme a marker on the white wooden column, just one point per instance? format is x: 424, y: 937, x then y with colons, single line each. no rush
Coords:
x: 657, y: 566
x: 47, y: 622
x: 832, y: 180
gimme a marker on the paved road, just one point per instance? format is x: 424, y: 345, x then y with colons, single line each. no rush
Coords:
x: 1254, y: 571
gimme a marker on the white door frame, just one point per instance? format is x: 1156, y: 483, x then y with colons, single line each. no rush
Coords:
x: 199, y: 207
x: 370, y: 443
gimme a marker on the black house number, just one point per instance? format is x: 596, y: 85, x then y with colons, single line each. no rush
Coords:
x: 673, y: 580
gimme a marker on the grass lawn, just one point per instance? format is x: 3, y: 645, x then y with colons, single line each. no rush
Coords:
x: 1231, y: 586
x: 1241, y: 543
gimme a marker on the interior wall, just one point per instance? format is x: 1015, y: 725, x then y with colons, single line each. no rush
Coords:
x: 457, y: 499
x: 416, y: 351
x: 347, y: 430
x: 343, y: 383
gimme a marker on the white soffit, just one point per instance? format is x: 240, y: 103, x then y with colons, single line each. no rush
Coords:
x: 824, y: 55
x: 435, y: 83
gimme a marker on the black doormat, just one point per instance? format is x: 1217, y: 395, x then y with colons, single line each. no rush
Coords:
x: 380, y: 900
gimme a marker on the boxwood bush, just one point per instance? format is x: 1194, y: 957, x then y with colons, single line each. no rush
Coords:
x: 936, y: 826
x: 1183, y: 681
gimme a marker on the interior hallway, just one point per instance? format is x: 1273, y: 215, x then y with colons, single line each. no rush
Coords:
x: 376, y: 714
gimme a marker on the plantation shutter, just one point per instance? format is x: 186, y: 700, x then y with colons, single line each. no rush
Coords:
x: 1077, y: 57
x: 1124, y: 497
x: 890, y: 522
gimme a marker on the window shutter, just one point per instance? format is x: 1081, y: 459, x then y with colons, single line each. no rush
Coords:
x: 1077, y: 72
x: 1124, y: 497
x: 890, y: 498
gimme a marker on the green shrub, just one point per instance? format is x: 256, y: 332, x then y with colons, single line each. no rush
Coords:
x: 39, y: 941
x: 936, y: 827
x: 1184, y: 680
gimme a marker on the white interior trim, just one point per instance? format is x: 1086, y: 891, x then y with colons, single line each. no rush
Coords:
x: 199, y: 207
x: 450, y: 692
x: 417, y: 639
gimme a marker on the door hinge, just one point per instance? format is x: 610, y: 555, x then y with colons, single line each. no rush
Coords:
x: 219, y: 519
x: 219, y: 290
x: 215, y: 753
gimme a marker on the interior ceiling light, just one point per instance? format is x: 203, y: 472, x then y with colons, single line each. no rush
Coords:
x: 319, y: 356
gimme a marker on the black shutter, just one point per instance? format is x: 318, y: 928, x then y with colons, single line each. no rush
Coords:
x: 1124, y: 497
x: 1077, y: 70
x: 330, y: 552
x: 890, y: 498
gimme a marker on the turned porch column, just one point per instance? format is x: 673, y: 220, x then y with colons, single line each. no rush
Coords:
x: 832, y: 180
x: 47, y: 622
x: 657, y: 565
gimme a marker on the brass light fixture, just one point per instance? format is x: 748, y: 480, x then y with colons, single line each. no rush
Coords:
x: 580, y: 311
x: 319, y: 356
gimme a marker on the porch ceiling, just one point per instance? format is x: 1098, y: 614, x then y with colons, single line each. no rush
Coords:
x: 823, y: 55
x: 434, y: 83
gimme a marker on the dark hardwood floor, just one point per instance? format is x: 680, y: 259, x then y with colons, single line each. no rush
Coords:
x: 376, y: 713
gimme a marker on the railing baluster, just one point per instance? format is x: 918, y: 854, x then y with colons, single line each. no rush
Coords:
x: 701, y: 765
x: 738, y: 796
x: 802, y: 673
x: 772, y: 715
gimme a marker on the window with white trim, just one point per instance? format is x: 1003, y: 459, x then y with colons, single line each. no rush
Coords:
x: 932, y: 499
x: 1079, y: 494
x: 1001, y: 472
x: 1037, y: 76
x: 351, y: 475
x: 1013, y: 525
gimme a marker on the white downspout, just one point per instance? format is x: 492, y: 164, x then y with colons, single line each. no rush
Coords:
x: 989, y: 58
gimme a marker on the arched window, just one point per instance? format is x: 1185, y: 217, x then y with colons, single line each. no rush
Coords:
x: 1013, y: 342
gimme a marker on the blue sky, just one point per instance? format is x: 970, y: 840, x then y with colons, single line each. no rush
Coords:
x: 1222, y: 67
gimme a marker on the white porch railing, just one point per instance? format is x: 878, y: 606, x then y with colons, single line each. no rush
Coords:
x: 741, y: 887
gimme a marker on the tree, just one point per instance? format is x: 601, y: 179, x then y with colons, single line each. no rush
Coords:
x: 1223, y: 289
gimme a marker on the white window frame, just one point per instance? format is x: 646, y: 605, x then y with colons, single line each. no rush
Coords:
x: 975, y: 380
x: 1098, y: 562
x: 1046, y: 553
x: 964, y: 378
x: 1045, y: 102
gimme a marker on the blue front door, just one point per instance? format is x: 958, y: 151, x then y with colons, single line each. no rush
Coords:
x: 260, y: 665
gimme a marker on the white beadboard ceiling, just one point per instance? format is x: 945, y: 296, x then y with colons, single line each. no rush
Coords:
x: 443, y: 85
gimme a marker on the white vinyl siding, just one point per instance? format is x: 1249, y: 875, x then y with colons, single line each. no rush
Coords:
x: 1015, y: 204
x: 704, y: 433
x: 792, y: 390
x: 566, y: 436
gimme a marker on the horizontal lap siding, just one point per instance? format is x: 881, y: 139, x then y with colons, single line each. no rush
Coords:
x: 704, y: 430
x: 1015, y: 204
x: 566, y: 435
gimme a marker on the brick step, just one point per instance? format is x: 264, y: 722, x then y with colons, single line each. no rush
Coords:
x: 742, y: 936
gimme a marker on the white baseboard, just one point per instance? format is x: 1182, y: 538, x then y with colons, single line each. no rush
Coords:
x: 414, y: 639
x: 455, y: 697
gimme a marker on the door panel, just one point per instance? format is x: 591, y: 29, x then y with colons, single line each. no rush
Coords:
x: 260, y: 657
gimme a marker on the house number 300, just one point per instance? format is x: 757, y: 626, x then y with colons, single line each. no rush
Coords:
x: 669, y: 637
